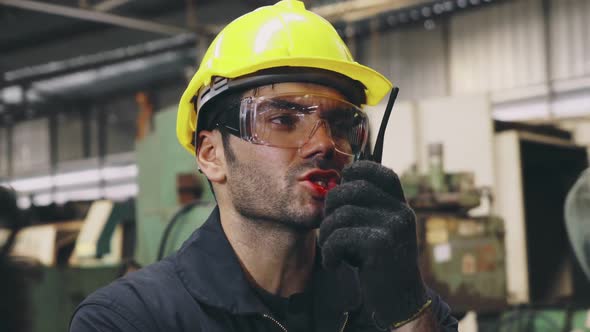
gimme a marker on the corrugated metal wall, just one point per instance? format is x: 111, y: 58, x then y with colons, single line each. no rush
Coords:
x: 570, y: 38
x: 30, y: 146
x: 3, y: 152
x: 414, y: 59
x: 495, y: 48
x: 499, y: 47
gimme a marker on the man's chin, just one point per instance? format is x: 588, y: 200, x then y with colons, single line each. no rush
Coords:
x: 310, y: 220
x: 306, y: 226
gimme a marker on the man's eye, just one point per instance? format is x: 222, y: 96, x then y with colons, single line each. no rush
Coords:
x: 342, y: 121
x: 284, y: 120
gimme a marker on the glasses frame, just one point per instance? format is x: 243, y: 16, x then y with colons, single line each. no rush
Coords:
x: 245, y: 107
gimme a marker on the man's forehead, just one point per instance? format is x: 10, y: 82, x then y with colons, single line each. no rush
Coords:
x: 294, y: 88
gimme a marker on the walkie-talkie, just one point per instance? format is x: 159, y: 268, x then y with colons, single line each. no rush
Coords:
x: 377, y: 154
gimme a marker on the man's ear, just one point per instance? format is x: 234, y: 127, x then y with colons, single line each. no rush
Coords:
x: 210, y: 156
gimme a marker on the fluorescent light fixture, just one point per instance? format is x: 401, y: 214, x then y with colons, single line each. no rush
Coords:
x: 67, y: 81
x: 12, y: 94
x: 87, y: 184
x: 91, y: 76
x: 564, y: 105
x: 121, y: 172
x: 573, y: 105
x: 77, y: 195
x: 42, y: 199
x: 23, y: 202
x: 32, y: 184
x: 519, y: 111
x: 81, y: 177
x: 121, y: 192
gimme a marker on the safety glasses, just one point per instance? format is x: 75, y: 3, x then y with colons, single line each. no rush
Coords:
x: 293, y: 120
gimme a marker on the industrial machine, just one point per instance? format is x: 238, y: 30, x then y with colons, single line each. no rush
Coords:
x: 462, y: 257
x: 168, y: 180
x: 577, y: 220
x: 65, y: 258
x: 45, y: 277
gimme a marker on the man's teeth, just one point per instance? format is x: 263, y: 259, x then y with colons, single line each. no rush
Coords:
x: 321, y: 183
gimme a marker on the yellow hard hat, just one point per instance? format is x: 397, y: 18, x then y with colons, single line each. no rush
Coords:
x: 282, y: 35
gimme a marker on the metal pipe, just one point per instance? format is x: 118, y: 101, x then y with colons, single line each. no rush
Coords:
x: 354, y: 10
x: 108, y: 5
x: 56, y: 68
x: 99, y: 17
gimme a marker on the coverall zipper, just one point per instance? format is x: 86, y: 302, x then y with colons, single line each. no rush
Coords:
x: 285, y: 330
x: 345, y: 321
x: 275, y: 321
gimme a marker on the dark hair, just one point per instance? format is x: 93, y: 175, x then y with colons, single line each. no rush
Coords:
x: 223, y: 109
x: 220, y: 109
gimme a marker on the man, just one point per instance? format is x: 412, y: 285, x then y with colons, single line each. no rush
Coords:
x: 273, y: 116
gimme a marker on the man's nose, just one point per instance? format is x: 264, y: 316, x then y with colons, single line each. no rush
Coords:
x: 319, y: 142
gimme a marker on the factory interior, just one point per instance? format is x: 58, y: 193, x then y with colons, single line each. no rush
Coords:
x: 490, y: 135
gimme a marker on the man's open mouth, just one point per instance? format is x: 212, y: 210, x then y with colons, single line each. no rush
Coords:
x: 322, y: 181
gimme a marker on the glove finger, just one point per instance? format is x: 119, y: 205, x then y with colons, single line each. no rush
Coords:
x: 349, y: 216
x: 352, y: 245
x: 359, y: 193
x: 379, y: 175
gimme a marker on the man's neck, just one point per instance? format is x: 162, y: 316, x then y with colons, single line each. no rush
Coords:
x: 274, y: 257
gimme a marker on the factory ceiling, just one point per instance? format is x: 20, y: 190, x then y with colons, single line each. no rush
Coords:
x: 48, y: 47
x: 38, y: 32
x: 34, y: 32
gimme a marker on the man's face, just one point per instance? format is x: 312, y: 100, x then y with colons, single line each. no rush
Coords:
x: 285, y: 185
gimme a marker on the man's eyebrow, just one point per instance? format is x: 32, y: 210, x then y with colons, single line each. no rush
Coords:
x: 282, y: 103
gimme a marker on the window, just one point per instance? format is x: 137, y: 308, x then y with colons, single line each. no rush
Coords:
x: 70, y: 138
x: 4, y: 131
x: 30, y: 147
x: 120, y: 122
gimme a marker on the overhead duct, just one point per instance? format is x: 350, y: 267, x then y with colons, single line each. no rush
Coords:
x: 98, y: 17
x: 359, y: 17
x: 57, y: 68
x: 354, y: 10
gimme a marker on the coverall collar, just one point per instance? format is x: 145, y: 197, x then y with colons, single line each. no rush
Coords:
x: 209, y: 269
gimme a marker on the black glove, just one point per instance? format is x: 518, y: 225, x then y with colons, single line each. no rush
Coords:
x: 369, y: 225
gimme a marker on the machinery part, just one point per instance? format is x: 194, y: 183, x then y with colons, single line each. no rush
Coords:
x: 463, y: 259
x: 577, y: 220
x: 181, y: 212
x: 436, y: 170
x: 10, y: 217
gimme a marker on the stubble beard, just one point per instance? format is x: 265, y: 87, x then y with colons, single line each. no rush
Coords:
x: 262, y: 199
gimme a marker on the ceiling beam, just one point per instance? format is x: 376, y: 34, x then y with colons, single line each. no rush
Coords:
x: 108, y: 5
x: 105, y: 18
x: 85, y: 62
x: 354, y: 10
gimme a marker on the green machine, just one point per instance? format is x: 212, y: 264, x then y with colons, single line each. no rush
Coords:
x: 537, y: 319
x: 462, y: 257
x: 55, y: 292
x: 166, y: 172
x: 168, y: 182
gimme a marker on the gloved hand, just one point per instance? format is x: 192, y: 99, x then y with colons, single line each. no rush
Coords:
x: 369, y: 225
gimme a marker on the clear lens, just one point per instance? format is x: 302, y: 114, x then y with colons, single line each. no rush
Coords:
x: 290, y: 121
